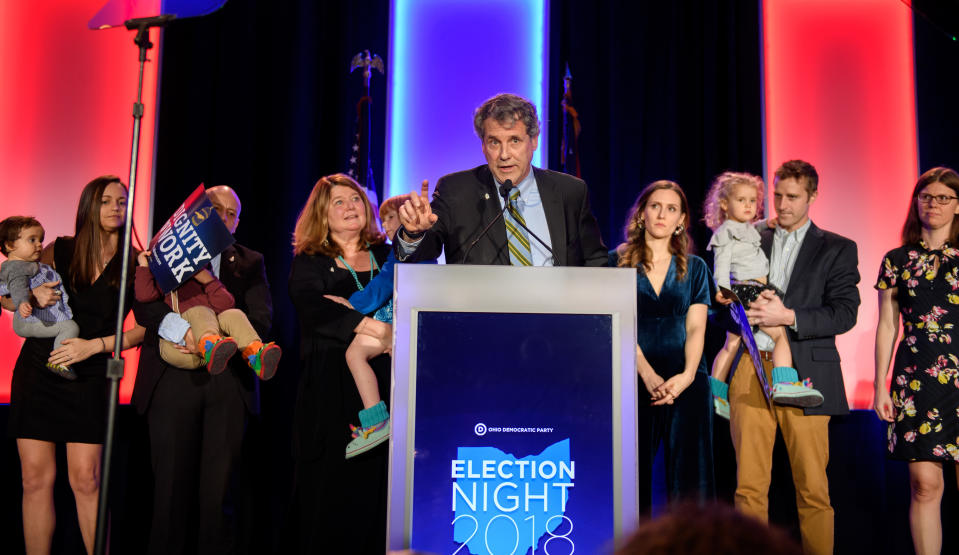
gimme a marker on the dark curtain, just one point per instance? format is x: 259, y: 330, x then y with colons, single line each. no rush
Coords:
x: 937, y: 60
x: 664, y: 90
x: 259, y: 96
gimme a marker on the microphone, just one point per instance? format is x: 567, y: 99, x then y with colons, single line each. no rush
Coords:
x: 503, y: 192
x: 505, y: 188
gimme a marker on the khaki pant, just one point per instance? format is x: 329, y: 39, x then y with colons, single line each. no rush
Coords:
x: 753, y: 428
x: 203, y: 321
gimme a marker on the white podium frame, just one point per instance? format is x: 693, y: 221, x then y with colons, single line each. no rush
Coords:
x: 506, y: 289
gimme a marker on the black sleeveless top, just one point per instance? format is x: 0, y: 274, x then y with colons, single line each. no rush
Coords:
x: 47, y: 407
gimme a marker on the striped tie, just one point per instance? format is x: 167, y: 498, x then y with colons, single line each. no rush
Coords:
x: 518, y: 241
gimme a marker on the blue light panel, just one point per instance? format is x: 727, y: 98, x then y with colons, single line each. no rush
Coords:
x: 446, y: 58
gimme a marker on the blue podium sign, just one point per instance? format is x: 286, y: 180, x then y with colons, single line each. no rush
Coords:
x: 514, y: 421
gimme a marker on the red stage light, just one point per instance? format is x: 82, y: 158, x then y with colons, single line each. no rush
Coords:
x: 65, y: 109
x: 840, y: 93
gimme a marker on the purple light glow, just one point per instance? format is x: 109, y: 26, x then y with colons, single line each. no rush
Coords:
x: 446, y: 58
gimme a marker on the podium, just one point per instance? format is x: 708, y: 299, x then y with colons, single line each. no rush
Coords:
x: 513, y: 409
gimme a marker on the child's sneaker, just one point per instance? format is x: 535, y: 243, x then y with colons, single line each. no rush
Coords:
x: 217, y: 351
x: 373, y: 430
x: 263, y: 359
x: 64, y: 372
x: 720, y: 391
x: 788, y: 390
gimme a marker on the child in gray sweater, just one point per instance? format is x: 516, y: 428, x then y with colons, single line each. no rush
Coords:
x: 21, y: 241
x: 731, y: 211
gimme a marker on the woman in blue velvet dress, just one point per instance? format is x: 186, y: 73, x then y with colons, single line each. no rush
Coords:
x: 674, y: 290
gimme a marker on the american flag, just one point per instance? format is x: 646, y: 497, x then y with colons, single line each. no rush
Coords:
x: 361, y: 167
x: 569, y: 146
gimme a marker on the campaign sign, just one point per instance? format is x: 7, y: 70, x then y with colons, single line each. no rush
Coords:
x: 512, y: 442
x: 513, y: 410
x: 188, y: 241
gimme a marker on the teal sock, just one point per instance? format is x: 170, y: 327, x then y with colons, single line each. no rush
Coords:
x: 374, y: 415
x: 719, y: 388
x: 785, y: 374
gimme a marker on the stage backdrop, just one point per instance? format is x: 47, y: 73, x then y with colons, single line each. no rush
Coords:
x: 439, y: 76
x: 840, y: 92
x: 663, y: 91
x: 66, y: 113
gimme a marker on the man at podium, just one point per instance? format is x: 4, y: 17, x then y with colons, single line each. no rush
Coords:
x: 506, y: 211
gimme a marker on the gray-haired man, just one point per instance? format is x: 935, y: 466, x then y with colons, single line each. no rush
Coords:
x: 553, y: 205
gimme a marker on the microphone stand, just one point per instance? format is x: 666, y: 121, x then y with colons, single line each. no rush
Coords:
x: 504, y: 192
x: 115, y: 364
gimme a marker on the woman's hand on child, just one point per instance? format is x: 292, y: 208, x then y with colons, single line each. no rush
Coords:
x: 47, y: 294
x: 340, y: 300
x: 25, y: 310
x: 74, y: 350
x: 143, y: 259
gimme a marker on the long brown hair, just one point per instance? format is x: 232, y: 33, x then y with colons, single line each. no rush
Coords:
x: 89, y: 238
x: 912, y: 229
x: 634, y: 252
x: 312, y: 232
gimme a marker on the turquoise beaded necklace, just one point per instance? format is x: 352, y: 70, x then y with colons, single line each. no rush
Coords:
x: 373, y: 266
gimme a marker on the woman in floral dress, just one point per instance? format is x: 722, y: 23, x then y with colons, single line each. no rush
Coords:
x: 920, y: 282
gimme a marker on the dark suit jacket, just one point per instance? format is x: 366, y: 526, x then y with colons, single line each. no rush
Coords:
x: 243, y: 273
x: 465, y: 202
x: 823, y: 292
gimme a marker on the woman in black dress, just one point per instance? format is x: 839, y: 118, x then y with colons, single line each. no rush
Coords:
x: 46, y: 409
x: 920, y: 282
x: 340, y: 504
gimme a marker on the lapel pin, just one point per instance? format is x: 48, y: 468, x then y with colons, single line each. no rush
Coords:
x: 486, y: 196
x: 232, y: 258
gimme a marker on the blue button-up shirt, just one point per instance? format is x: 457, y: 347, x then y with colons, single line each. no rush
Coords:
x: 782, y: 261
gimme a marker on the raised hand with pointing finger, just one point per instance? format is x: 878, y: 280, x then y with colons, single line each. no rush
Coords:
x: 416, y: 214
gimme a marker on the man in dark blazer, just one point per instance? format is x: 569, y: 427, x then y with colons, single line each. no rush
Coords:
x: 197, y: 420
x: 555, y: 205
x: 818, y: 271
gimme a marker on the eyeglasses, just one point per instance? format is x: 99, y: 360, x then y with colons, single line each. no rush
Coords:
x: 940, y: 199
